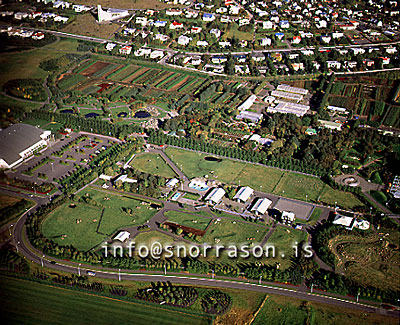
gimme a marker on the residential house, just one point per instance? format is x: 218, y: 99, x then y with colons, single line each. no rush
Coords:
x: 216, y: 32
x: 173, y: 12
x: 156, y: 54
x: 234, y: 10
x: 265, y: 41
x: 241, y: 58
x: 337, y: 35
x: 217, y: 59
x: 176, y: 25
x: 196, y: 30
x: 296, y: 40
x: 244, y: 21
x: 202, y: 43
x: 224, y: 44
x: 161, y: 37
x: 38, y: 36
x: 385, y: 60
x: 333, y: 64
x: 243, y: 69
x: 126, y: 50
x: 284, y: 24
x: 325, y: 39
x: 369, y: 63
x: 268, y: 25
x: 110, y: 46
x: 225, y: 19
x: 357, y: 50
x: 208, y: 17
x: 297, y: 66
x: 160, y: 23
x: 243, y: 194
x: 184, y: 40
x: 141, y: 21
x: 258, y: 57
x: 61, y: 5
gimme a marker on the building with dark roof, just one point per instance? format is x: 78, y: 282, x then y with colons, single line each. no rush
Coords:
x: 20, y: 141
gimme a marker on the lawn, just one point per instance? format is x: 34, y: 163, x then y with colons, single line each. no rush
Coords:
x: 235, y: 232
x: 12, y: 103
x: 314, y: 216
x: 149, y: 237
x: 343, y: 199
x: 189, y: 220
x: 87, y: 225
x: 283, y: 239
x: 297, y: 186
x: 26, y: 302
x: 127, y: 4
x: 153, y: 164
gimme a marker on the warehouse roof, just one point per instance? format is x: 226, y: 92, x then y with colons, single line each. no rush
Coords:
x: 17, y: 138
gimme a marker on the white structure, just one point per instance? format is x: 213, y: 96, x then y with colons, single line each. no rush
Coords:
x: 122, y: 236
x: 261, y: 206
x: 286, y: 95
x: 247, y: 103
x: 172, y: 182
x: 20, y: 141
x: 243, y: 194
x: 215, y: 195
x: 347, y: 222
x: 331, y: 125
x: 289, y: 108
x: 110, y: 46
x: 291, y: 89
x: 288, y: 216
x: 252, y: 116
x: 127, y: 49
x: 110, y: 14
x: 184, y: 40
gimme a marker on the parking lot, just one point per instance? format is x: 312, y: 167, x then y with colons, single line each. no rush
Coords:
x: 79, y: 154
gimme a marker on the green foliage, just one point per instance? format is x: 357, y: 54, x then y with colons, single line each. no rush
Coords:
x: 31, y: 89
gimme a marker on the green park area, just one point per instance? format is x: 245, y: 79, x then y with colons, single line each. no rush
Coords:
x: 12, y: 207
x: 153, y: 164
x: 28, y: 302
x: 226, y: 231
x: 189, y: 220
x: 266, y: 179
x: 93, y: 216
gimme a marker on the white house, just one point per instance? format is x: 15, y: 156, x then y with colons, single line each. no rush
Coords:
x: 215, y: 196
x: 110, y: 46
x: 336, y: 35
x: 243, y: 194
x: 161, y: 37
x: 224, y: 44
x: 196, y: 30
x: 202, y: 43
x: 284, y: 24
x: 81, y: 8
x: 333, y: 64
x: 38, y: 36
x: 208, y: 17
x: 141, y: 21
x: 122, y: 236
x: 61, y: 4
x: 325, y: 39
x: 184, y: 40
x: 244, y: 21
x: 172, y: 182
x: 127, y: 49
x: 156, y: 54
x: 173, y: 12
x: 160, y: 23
x: 288, y: 217
x: 265, y: 41
x: 175, y: 25
x: 234, y: 10
x: 268, y: 25
x: 216, y: 32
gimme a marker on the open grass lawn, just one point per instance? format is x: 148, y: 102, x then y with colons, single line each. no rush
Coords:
x: 148, y: 237
x: 97, y: 222
x: 87, y: 25
x: 189, y: 220
x: 284, y: 310
x: 61, y: 226
x: 343, y: 199
x: 12, y: 103
x: 24, y: 302
x: 296, y: 186
x: 314, y: 216
x: 227, y: 231
x: 153, y: 164
x: 259, y: 177
x: 283, y: 239
x: 113, y: 217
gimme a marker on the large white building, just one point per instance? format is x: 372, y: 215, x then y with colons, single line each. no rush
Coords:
x: 110, y: 14
x: 215, y: 195
x: 243, y: 194
x: 20, y: 141
x: 261, y: 206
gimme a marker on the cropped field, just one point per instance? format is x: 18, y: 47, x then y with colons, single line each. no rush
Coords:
x: 153, y: 164
x: 24, y: 302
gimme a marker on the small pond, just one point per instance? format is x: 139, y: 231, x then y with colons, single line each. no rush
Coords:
x: 65, y: 111
x: 91, y: 115
x: 122, y: 114
x: 142, y: 114
x: 212, y: 159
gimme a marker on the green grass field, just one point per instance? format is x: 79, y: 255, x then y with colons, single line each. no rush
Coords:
x: 188, y: 220
x: 227, y: 231
x: 98, y: 222
x: 265, y: 179
x: 153, y: 164
x: 24, y: 302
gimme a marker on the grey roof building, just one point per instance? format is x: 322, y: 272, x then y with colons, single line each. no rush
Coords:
x: 20, y: 141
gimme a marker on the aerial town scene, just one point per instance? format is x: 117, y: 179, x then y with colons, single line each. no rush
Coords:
x: 200, y: 162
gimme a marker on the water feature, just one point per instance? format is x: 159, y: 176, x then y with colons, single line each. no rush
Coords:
x: 215, y: 159
x: 142, y: 114
x: 91, y: 115
x: 65, y: 111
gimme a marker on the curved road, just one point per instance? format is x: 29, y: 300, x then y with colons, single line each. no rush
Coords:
x: 29, y: 252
